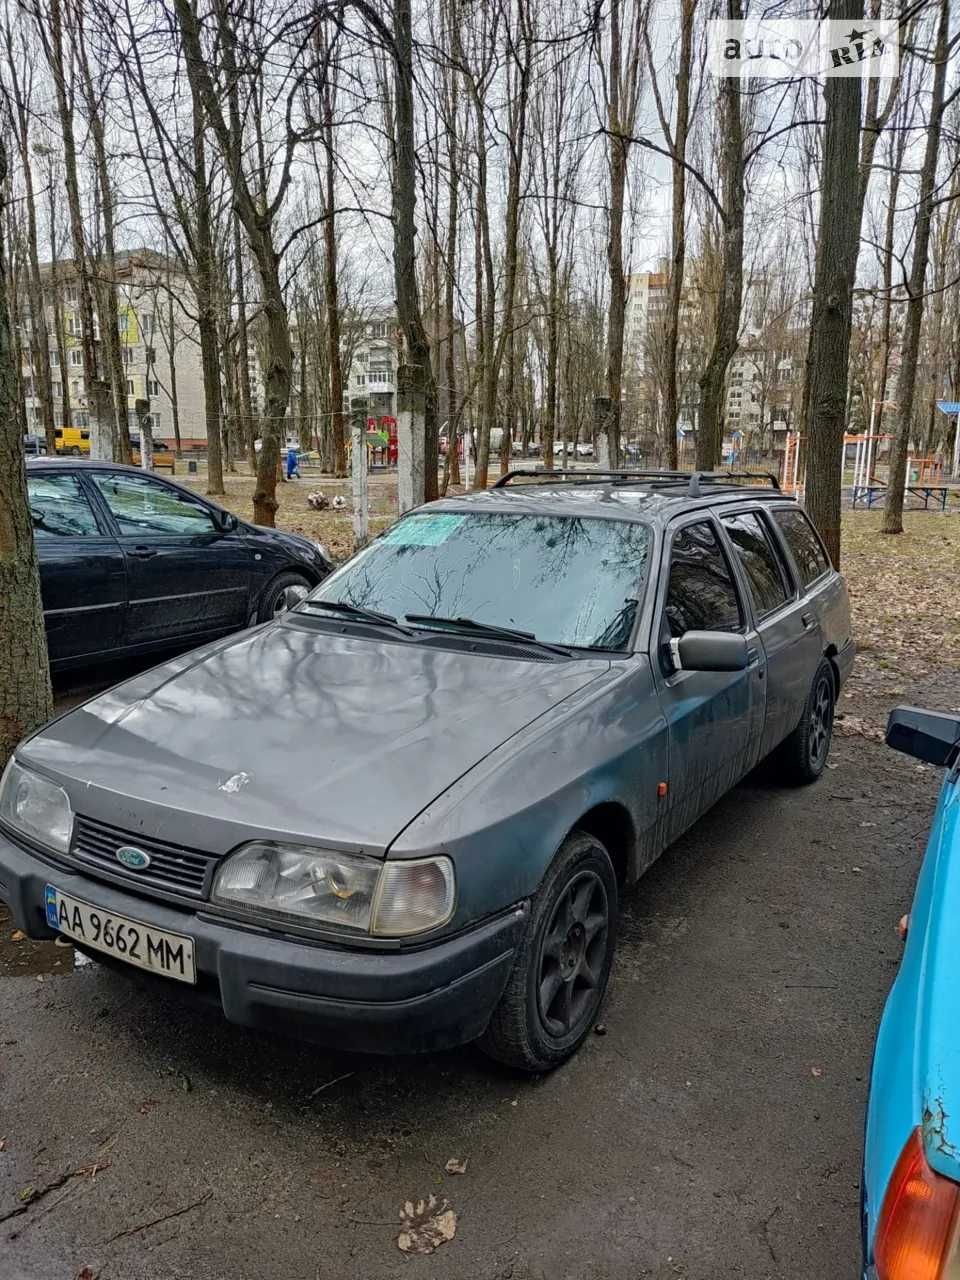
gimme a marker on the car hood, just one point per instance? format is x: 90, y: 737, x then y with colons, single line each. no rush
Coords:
x: 294, y: 731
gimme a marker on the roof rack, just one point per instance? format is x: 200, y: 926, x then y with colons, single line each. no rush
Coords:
x: 693, y: 480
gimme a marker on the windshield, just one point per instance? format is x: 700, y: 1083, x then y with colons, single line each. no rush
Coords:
x: 567, y: 580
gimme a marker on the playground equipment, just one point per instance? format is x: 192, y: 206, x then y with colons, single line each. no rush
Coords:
x: 791, y: 478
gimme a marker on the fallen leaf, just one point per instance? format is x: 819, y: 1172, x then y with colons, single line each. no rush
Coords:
x: 426, y: 1225
x: 86, y: 1273
x: 3, y: 1144
x: 17, y: 936
x: 816, y: 1072
x: 147, y: 1105
x: 454, y: 1165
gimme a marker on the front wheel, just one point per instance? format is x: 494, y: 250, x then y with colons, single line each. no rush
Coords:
x: 282, y: 594
x: 804, y: 753
x: 563, y: 965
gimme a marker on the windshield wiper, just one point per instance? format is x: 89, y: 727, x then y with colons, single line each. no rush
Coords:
x: 474, y: 627
x: 355, y: 612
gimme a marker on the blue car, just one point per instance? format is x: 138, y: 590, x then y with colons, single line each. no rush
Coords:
x: 911, y: 1172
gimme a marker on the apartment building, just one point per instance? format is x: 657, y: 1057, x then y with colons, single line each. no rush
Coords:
x: 373, y: 368
x: 160, y: 353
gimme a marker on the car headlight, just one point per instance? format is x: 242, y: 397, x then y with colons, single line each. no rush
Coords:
x: 324, y: 552
x: 316, y: 886
x: 36, y: 806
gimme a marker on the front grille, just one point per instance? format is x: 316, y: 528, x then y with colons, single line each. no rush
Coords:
x: 173, y: 868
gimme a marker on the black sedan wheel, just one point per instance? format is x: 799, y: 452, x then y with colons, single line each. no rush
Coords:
x: 563, y: 965
x: 804, y: 754
x: 282, y: 594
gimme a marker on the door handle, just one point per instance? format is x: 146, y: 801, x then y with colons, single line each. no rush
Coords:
x: 143, y: 553
x: 808, y: 620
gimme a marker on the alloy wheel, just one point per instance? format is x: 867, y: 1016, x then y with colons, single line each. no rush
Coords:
x: 821, y: 720
x: 570, y: 973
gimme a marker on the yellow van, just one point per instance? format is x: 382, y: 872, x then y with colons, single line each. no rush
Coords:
x: 73, y: 440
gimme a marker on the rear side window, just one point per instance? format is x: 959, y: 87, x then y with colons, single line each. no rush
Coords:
x: 59, y: 507
x: 759, y: 561
x: 701, y: 595
x: 801, y: 538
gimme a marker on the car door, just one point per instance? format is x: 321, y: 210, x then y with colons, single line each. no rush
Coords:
x: 186, y: 576
x: 82, y: 568
x: 714, y: 718
x: 788, y: 629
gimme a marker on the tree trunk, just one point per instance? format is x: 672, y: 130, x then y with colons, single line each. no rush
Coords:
x: 247, y: 426
x: 451, y: 84
x: 206, y: 284
x: 416, y: 352
x: 97, y: 391
x: 893, y: 513
x: 678, y: 238
x: 43, y: 382
x: 106, y: 287
x: 727, y: 324
x: 331, y: 294
x: 58, y: 333
x: 25, y: 697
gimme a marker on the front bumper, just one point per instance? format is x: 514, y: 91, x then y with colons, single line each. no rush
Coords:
x: 399, y: 1001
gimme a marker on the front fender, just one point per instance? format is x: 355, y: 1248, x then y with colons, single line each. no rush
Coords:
x: 503, y: 821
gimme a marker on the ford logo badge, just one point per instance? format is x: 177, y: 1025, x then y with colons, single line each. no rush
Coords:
x: 134, y: 859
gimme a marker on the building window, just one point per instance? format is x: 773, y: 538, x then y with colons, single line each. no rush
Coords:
x: 146, y: 323
x: 56, y: 388
x: 76, y: 358
x: 153, y: 387
x: 54, y: 359
x: 70, y: 295
x: 28, y: 388
x: 128, y: 354
x: 378, y: 329
x: 129, y: 386
x: 361, y: 379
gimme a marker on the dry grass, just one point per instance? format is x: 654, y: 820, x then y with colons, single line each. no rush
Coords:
x: 904, y: 592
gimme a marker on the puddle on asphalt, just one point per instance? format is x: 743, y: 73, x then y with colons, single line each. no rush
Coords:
x: 22, y: 958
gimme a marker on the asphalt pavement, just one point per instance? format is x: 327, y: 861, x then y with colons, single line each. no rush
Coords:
x: 714, y: 1130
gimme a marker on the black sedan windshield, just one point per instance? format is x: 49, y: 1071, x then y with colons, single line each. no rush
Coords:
x: 567, y: 580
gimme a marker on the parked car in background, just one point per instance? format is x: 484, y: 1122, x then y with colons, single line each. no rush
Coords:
x: 34, y: 445
x: 163, y: 455
x: 132, y: 563
x: 402, y: 816
x: 911, y: 1168
x: 74, y: 441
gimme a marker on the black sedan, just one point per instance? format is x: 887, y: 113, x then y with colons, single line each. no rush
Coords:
x: 131, y: 563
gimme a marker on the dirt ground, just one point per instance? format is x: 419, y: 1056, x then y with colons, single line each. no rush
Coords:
x: 713, y: 1131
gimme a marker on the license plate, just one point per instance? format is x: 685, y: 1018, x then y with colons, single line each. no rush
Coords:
x: 170, y: 954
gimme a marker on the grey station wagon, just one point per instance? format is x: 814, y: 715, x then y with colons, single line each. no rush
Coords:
x: 401, y: 816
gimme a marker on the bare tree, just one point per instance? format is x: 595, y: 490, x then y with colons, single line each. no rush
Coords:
x: 939, y: 101
x: 727, y: 325
x: 675, y: 135
x: 621, y: 71
x: 831, y: 313
x: 25, y: 697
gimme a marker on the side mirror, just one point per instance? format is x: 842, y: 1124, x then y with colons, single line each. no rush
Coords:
x: 932, y: 736
x: 710, y: 651
x: 227, y: 522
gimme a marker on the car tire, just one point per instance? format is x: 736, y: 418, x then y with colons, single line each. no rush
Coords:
x: 804, y: 754
x: 286, y: 590
x: 75, y: 451
x: 562, y: 967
